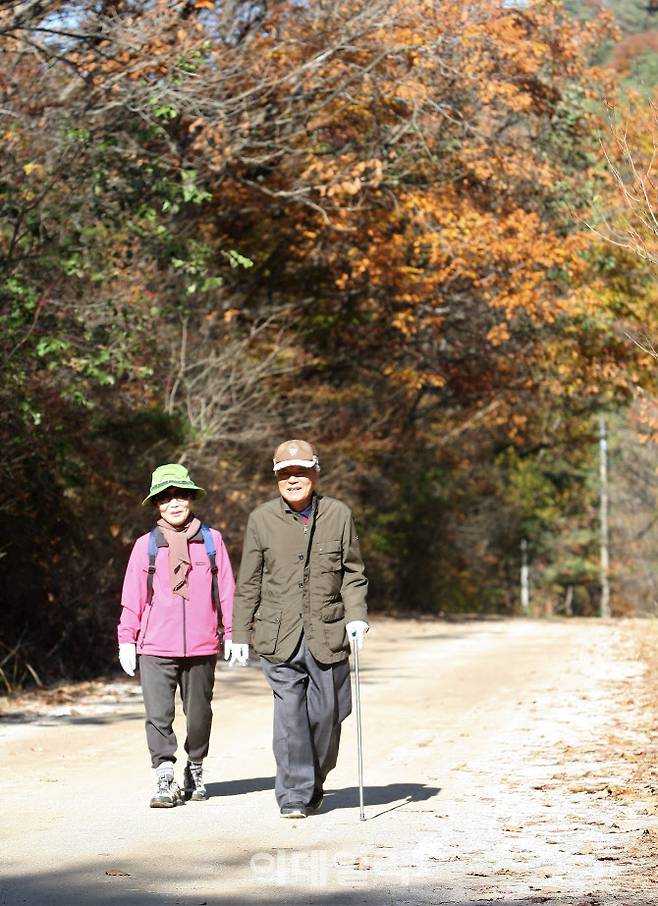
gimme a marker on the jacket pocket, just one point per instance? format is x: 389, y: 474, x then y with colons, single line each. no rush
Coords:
x: 327, y: 568
x: 266, y: 630
x: 143, y: 629
x: 329, y: 556
x: 332, y: 611
x: 333, y: 624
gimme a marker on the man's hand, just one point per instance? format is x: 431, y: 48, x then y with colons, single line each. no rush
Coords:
x: 128, y: 657
x: 356, y: 629
x: 239, y: 655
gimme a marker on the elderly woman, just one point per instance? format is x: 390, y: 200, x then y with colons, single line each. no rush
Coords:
x: 177, y: 602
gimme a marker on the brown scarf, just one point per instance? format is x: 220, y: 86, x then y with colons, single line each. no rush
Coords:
x: 180, y: 561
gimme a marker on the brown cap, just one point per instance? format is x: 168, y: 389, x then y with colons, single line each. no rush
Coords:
x: 296, y: 453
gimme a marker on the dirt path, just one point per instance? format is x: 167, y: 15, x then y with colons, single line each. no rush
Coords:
x: 505, y: 762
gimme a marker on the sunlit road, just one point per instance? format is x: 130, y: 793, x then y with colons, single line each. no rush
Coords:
x: 480, y: 767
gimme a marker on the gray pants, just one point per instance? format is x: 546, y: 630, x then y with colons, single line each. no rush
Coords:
x: 160, y: 677
x: 310, y: 701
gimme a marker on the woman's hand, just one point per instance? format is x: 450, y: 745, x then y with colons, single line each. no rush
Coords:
x: 128, y: 657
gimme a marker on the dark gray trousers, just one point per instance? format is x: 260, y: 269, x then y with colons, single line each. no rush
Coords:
x: 160, y: 677
x: 310, y: 701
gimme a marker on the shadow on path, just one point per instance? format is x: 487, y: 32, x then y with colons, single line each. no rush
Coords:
x: 348, y: 797
x: 23, y: 718
x: 235, y: 787
x: 92, y: 884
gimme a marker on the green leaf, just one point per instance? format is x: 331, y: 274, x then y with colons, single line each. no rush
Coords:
x: 50, y: 346
x: 238, y: 260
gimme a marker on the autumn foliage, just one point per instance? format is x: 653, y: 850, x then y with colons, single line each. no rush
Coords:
x: 222, y: 224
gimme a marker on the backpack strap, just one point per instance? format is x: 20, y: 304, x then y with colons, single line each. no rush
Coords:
x: 153, y: 550
x: 211, y: 552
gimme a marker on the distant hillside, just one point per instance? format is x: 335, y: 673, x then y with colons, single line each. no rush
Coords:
x: 635, y: 56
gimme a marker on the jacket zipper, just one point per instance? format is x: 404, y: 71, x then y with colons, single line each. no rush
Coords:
x: 182, y: 600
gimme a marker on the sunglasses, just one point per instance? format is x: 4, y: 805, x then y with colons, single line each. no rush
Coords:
x: 173, y: 494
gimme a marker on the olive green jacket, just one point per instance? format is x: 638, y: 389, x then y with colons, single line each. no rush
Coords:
x: 296, y: 577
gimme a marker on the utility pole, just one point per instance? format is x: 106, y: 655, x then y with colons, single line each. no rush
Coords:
x: 568, y: 599
x: 603, y: 507
x: 525, y: 584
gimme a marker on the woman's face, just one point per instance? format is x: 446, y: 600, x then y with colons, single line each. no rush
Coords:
x: 175, y: 506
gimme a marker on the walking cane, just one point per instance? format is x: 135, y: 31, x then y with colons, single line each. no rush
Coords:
x: 359, y: 736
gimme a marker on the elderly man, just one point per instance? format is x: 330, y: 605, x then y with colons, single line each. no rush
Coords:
x: 302, y: 582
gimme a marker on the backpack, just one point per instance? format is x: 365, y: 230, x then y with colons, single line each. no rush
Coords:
x: 210, y: 551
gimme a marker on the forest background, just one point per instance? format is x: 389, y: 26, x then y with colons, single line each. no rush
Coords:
x: 384, y: 225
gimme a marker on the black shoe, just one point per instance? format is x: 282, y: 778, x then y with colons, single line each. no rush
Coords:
x: 293, y: 811
x: 316, y: 801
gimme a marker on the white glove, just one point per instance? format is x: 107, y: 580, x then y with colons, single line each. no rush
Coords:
x: 128, y: 657
x: 239, y: 655
x: 227, y: 649
x: 356, y: 629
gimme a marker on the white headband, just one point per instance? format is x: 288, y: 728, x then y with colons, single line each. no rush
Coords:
x: 306, y: 463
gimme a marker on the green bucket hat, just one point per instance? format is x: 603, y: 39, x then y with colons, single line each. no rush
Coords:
x: 171, y: 475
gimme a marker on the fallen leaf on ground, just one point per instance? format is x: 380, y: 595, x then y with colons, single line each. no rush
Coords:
x: 588, y: 787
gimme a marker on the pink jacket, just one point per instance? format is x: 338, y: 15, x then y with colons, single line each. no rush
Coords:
x: 172, y: 626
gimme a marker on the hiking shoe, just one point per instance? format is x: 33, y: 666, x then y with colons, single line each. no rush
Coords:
x: 193, y: 784
x: 316, y: 801
x: 167, y: 794
x: 293, y: 811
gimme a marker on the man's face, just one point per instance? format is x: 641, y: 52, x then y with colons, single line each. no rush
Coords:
x: 296, y: 485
